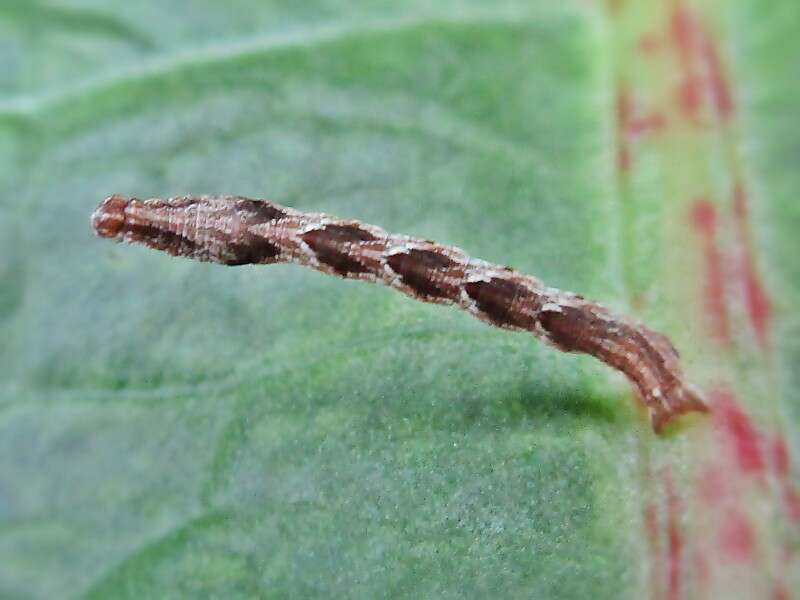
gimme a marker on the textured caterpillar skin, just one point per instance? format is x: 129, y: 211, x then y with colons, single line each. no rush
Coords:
x: 233, y: 230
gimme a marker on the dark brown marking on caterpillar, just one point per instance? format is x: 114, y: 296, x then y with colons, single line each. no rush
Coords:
x: 233, y: 230
x: 423, y: 270
x: 330, y: 242
x: 251, y: 251
x: 256, y: 212
x: 166, y: 241
x: 247, y: 248
x: 501, y: 299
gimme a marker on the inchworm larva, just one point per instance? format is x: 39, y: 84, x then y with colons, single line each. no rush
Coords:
x: 237, y: 231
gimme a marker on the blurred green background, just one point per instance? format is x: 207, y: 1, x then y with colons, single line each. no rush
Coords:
x: 171, y: 429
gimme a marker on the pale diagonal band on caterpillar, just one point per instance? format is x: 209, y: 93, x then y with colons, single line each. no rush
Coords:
x: 232, y: 230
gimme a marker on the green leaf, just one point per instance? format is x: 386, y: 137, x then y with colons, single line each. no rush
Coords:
x: 173, y: 429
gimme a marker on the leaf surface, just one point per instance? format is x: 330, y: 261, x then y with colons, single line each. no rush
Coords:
x: 173, y: 429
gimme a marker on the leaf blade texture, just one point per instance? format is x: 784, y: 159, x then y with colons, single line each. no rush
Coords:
x: 172, y: 429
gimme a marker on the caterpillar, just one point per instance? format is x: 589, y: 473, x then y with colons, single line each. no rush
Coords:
x: 233, y: 230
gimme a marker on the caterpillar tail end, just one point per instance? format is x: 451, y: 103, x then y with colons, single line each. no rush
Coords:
x: 682, y: 399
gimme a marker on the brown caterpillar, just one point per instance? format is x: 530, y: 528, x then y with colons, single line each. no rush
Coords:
x: 236, y: 231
